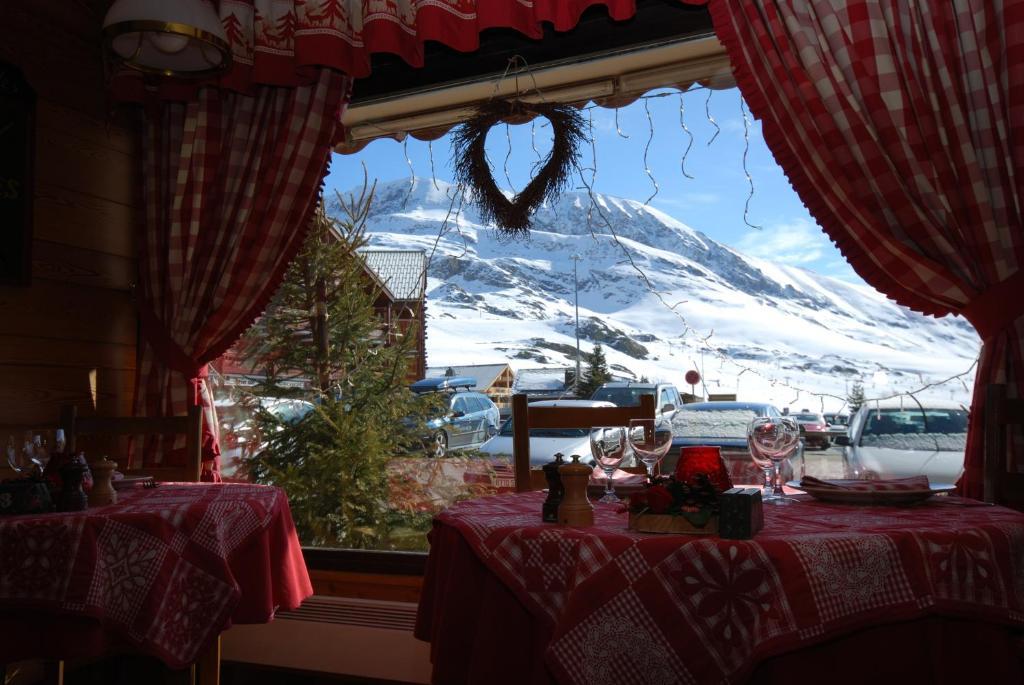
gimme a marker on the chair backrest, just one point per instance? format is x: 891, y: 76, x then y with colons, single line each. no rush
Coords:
x: 190, y: 425
x: 525, y: 417
x: 1003, y: 482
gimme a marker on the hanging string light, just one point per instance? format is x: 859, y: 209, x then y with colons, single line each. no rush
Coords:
x: 647, y: 147
x: 689, y: 144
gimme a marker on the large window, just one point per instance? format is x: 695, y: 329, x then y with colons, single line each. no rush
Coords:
x: 683, y: 247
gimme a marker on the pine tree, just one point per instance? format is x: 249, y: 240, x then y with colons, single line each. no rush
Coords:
x: 321, y: 326
x: 855, y: 398
x: 595, y: 375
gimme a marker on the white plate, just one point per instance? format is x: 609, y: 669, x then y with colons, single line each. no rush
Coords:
x: 880, y: 497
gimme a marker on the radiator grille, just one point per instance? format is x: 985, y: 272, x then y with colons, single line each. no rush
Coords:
x: 354, y: 612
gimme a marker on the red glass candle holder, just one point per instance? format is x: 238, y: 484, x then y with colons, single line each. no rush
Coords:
x: 703, y: 459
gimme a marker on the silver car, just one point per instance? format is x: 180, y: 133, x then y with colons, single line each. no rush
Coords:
x: 545, y: 442
x: 897, y: 440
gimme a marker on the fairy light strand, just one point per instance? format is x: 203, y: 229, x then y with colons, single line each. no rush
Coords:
x: 430, y: 153
x: 412, y: 170
x: 508, y: 154
x: 647, y: 147
x: 533, y: 143
x: 689, y: 144
x: 711, y: 119
x: 746, y: 171
x: 618, y: 129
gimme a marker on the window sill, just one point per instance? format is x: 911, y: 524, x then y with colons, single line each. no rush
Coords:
x: 366, y: 574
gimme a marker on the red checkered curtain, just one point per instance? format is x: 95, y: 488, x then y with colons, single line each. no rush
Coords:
x: 901, y: 126
x: 232, y: 166
x: 231, y: 181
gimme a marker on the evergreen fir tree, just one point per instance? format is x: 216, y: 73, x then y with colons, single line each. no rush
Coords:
x: 855, y: 398
x: 322, y: 326
x: 595, y: 375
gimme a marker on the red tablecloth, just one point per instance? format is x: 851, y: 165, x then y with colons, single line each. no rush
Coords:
x: 163, y: 571
x: 603, y: 604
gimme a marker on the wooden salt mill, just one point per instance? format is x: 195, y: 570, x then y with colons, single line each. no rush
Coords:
x: 103, y: 492
x: 575, y: 509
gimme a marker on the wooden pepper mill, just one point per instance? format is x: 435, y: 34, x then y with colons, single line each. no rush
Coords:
x: 576, y: 509
x: 556, y: 491
x: 103, y: 492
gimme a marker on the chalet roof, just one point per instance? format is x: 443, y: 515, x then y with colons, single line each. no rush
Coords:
x: 402, y: 271
x: 485, y: 374
x: 539, y: 379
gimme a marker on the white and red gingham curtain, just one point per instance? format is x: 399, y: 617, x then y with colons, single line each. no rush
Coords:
x: 901, y: 126
x: 230, y: 183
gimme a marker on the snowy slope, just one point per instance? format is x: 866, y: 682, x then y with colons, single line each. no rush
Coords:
x: 762, y: 330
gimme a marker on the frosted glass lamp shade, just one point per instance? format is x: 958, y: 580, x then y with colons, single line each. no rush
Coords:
x: 181, y: 38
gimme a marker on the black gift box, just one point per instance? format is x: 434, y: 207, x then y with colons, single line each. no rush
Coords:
x: 25, y: 496
x: 740, y: 513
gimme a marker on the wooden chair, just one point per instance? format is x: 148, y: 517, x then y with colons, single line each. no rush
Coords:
x: 206, y: 670
x: 1003, y: 482
x: 191, y: 425
x: 526, y: 417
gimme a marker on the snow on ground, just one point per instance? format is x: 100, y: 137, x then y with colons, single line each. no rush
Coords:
x: 763, y: 331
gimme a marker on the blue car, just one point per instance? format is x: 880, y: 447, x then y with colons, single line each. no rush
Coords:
x: 470, y: 420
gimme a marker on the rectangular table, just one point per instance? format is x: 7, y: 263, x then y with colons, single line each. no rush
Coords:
x: 163, y: 572
x: 936, y: 586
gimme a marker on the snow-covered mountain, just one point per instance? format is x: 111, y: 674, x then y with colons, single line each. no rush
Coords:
x: 662, y: 298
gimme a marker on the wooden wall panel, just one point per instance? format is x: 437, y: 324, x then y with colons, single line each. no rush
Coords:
x: 71, y: 336
x: 87, y: 166
x: 31, y: 393
x: 68, y: 264
x: 64, y: 311
x: 66, y: 216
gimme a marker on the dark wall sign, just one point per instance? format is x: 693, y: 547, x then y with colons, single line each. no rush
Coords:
x: 17, y: 151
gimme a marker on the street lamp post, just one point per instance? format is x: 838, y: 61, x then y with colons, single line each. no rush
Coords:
x: 576, y: 298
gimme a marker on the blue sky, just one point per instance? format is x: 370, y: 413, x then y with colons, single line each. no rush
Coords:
x: 712, y: 201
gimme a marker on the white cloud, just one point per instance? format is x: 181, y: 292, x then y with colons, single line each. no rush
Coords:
x: 797, y: 242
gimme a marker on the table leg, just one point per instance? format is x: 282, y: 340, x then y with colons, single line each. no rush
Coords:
x: 208, y: 665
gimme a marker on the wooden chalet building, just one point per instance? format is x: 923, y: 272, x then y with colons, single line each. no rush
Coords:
x: 399, y: 279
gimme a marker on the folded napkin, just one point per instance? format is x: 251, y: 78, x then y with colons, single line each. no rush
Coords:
x: 893, y: 484
x: 619, y: 477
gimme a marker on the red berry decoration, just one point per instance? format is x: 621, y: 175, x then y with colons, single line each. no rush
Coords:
x: 659, y: 499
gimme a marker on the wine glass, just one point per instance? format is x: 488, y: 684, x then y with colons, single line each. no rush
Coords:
x: 608, y: 445
x: 650, y: 440
x: 773, y: 440
x: 763, y: 463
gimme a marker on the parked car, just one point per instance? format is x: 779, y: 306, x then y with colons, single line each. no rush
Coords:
x: 722, y: 425
x: 813, y: 429
x: 627, y: 394
x: 239, y: 437
x: 896, y: 440
x: 546, y: 442
x: 837, y: 423
x: 471, y: 418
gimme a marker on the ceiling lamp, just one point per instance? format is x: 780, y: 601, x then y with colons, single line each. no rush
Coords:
x: 181, y: 38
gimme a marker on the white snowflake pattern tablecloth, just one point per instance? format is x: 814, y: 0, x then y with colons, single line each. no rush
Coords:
x: 164, y: 570
x: 685, y: 609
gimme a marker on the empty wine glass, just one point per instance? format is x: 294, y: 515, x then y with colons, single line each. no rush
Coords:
x: 650, y: 440
x: 608, y: 445
x: 763, y: 463
x: 773, y: 440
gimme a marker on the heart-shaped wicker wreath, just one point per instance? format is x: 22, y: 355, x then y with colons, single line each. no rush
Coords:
x: 469, y: 160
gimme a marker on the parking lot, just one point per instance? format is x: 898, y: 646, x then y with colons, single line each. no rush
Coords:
x: 823, y: 463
